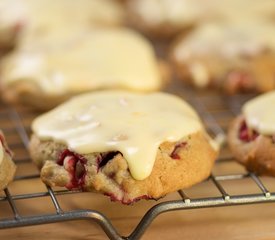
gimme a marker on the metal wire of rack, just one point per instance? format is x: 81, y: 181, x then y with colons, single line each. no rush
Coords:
x: 211, y: 117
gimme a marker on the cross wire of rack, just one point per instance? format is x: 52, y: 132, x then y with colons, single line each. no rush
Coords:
x: 201, y: 103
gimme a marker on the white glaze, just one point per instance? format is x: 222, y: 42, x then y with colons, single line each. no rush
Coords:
x: 260, y: 113
x: 134, y: 124
x: 42, y: 19
x: 52, y: 13
x: 227, y: 40
x: 175, y: 12
x: 102, y: 58
x: 184, y: 12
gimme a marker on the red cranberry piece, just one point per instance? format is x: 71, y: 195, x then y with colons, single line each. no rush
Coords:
x: 175, y: 152
x: 239, y: 81
x: 113, y: 198
x: 18, y: 26
x: 136, y: 199
x: 3, y: 142
x: 246, y: 134
x: 75, y: 164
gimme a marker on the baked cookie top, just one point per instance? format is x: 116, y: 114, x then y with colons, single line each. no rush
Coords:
x: 260, y: 113
x: 101, y: 58
x: 131, y: 123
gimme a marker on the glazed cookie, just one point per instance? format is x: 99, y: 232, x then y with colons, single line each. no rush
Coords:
x: 7, y: 167
x: 101, y: 59
x: 38, y: 20
x: 252, y: 135
x: 128, y: 146
x: 238, y: 10
x: 62, y: 20
x: 50, y: 13
x: 235, y: 57
x: 164, y: 18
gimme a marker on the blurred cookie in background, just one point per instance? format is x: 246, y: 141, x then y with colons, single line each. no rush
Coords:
x: 239, y: 10
x: 110, y: 58
x: 51, y: 15
x: 233, y: 56
x: 38, y: 19
x: 167, y: 18
x: 164, y: 18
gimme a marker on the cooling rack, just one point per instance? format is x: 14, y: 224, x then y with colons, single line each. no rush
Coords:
x: 216, y: 111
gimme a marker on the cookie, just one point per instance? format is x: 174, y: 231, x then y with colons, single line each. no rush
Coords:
x: 251, y: 136
x: 46, y: 75
x: 38, y: 20
x: 47, y: 14
x: 7, y: 167
x: 63, y: 19
x: 128, y: 146
x: 233, y: 57
x: 164, y: 18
